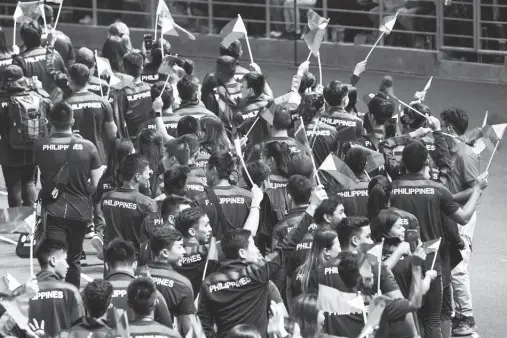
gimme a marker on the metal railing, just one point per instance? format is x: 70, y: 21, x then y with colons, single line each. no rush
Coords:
x: 465, y: 27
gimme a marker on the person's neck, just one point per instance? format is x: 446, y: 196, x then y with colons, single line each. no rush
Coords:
x: 81, y: 90
x: 222, y: 183
x: 350, y: 249
x: 142, y: 318
x: 193, y: 100
x: 60, y: 131
x: 339, y: 107
x: 50, y: 270
x: 164, y: 261
x: 300, y: 205
x: 131, y: 185
x: 122, y: 269
x: 279, y: 133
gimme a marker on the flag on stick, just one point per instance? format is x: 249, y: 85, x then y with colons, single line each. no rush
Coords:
x: 432, y: 246
x: 375, y: 311
x: 386, y: 27
x: 237, y: 146
x: 233, y: 31
x: 315, y: 20
x: 374, y: 159
x: 333, y: 300
x: 16, y: 220
x: 422, y: 94
x: 27, y: 11
x: 314, y: 40
x: 339, y: 171
x: 302, y: 142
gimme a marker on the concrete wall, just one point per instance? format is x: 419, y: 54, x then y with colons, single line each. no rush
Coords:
x: 344, y: 56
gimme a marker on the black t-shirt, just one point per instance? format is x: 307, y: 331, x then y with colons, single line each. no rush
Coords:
x: 355, y: 200
x: 91, y: 112
x: 50, y: 154
x: 193, y: 263
x: 170, y: 123
x: 323, y: 140
x: 135, y: 106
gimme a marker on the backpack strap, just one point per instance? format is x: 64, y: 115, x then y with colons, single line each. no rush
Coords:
x: 221, y: 215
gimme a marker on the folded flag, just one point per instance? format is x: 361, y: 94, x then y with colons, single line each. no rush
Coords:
x: 336, y: 301
x: 479, y: 146
x: 17, y: 303
x: 374, y: 159
x: 375, y: 310
x: 120, y: 81
x: 388, y: 23
x: 268, y: 113
x: 8, y: 284
x: 315, y: 20
x: 314, y: 40
x: 339, y: 171
x: 27, y: 11
x: 422, y: 94
x: 233, y: 31
x: 103, y: 66
x: 432, y: 246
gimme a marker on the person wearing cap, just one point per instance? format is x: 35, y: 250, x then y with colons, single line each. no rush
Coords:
x: 168, y: 250
x: 431, y: 202
x: 69, y: 215
x: 63, y: 44
x: 188, y: 90
x: 95, y: 84
x: 19, y: 169
x: 33, y: 60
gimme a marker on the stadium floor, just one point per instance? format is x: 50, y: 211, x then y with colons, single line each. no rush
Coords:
x: 489, y: 258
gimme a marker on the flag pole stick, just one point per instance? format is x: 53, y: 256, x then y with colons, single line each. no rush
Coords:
x: 411, y: 108
x: 32, y: 234
x: 8, y: 240
x: 309, y: 56
x: 375, y: 45
x: 58, y: 15
x: 41, y: 6
x: 380, y: 266
x: 247, y: 43
x: 320, y: 69
x: 108, y: 88
x: 365, y: 318
x: 311, y: 156
x: 249, y: 130
x: 156, y: 26
x: 14, y: 34
x: 434, y: 259
x: 238, y: 149
x: 492, y: 155
x: 101, y: 91
x: 165, y: 85
x: 485, y: 119
x: 368, y: 176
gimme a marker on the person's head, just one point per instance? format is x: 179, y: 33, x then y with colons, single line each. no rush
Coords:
x: 118, y: 151
x: 389, y: 226
x: 61, y: 116
x: 330, y: 212
x: 13, y: 79
x: 97, y: 297
x: 212, y: 134
x: 193, y: 145
x: 176, y: 152
x: 31, y: 33
x: 380, y: 110
x: 415, y: 157
x: 413, y: 120
x: 167, y: 245
x: 220, y: 167
x: 336, y: 94
x: 79, y: 75
x: 133, y: 64
x: 187, y: 125
x: 188, y: 87
x: 277, y: 156
x: 351, y: 107
x: 455, y: 120
x: 259, y: 173
x: 142, y: 296
x: 349, y: 269
x: 243, y: 331
x: 149, y: 144
x: 355, y: 158
x: 194, y: 223
x: 114, y: 50
x: 172, y: 206
x: 156, y: 52
x: 52, y: 256
x: 252, y: 84
x: 239, y: 244
x: 281, y: 119
x: 299, y: 189
x: 301, y: 164
x: 86, y: 57
x: 226, y: 68
x: 235, y: 50
x: 4, y: 48
x: 308, y: 83
x: 353, y: 231
x: 136, y: 170
x: 310, y: 106
x: 119, y: 29
x: 379, y: 194
x: 167, y: 95
x: 49, y: 15
x: 308, y: 316
x: 120, y: 255
x: 325, y: 246
x: 175, y: 180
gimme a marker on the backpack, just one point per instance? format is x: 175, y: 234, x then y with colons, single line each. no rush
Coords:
x: 27, y: 116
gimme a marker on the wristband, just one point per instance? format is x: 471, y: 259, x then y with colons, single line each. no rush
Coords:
x: 255, y: 207
x: 158, y: 114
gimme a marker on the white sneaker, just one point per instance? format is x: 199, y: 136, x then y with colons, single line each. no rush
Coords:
x: 98, y: 245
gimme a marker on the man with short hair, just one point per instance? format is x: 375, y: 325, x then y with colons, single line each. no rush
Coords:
x: 187, y: 125
x: 167, y: 248
x: 142, y: 299
x: 95, y: 84
x: 188, y: 88
x: 120, y: 264
x: 176, y: 152
x: 58, y: 304
x: 62, y: 44
x: 68, y: 208
x: 355, y: 198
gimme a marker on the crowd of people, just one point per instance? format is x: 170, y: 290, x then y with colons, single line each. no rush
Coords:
x: 204, y: 201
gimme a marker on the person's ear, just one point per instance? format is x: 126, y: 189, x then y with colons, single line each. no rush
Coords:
x: 242, y: 253
x: 327, y: 218
x: 354, y: 241
x: 170, y: 219
x: 134, y: 266
x: 191, y: 232
x: 108, y: 268
x: 325, y: 252
x: 52, y: 261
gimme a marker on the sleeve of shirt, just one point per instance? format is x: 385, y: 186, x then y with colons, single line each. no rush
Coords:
x: 108, y: 111
x: 447, y: 203
x: 187, y: 305
x: 387, y: 281
x: 273, y: 293
x: 76, y: 308
x: 396, y: 310
x: 442, y: 156
x: 205, y: 313
x: 162, y: 314
x: 95, y: 163
x: 470, y: 168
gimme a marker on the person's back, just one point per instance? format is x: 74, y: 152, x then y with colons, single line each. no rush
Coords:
x: 355, y: 199
x: 135, y: 105
x: 170, y: 123
x: 143, y: 329
x: 324, y: 139
x: 63, y: 46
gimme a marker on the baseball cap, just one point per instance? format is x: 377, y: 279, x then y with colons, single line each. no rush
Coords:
x: 86, y: 57
x: 12, y: 73
x: 301, y: 164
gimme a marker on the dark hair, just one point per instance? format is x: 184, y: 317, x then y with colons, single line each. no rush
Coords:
x: 382, y: 224
x: 188, y: 86
x: 133, y: 64
x: 381, y: 108
x: 258, y: 171
x: 86, y: 57
x: 179, y: 149
x: 193, y: 143
x: 47, y: 248
x: 164, y: 238
x: 350, y: 227
x: 97, y: 297
x: 300, y: 189
x: 348, y: 269
x: 187, y: 125
x: 307, y: 81
x: 142, y: 293
x: 223, y: 163
x: 457, y: 118
x: 233, y: 241
x: 327, y: 207
x: 119, y: 251
x: 413, y: 120
x: 226, y: 68
x: 167, y: 95
x: 414, y: 156
x: 171, y: 205
x: 280, y: 152
x: 31, y: 33
x: 61, y: 115
x: 355, y: 158
x: 255, y: 81
x: 156, y: 52
x: 234, y: 50
x: 351, y: 107
x: 187, y: 219
x: 175, y: 180
x: 149, y: 144
x: 79, y: 74
x: 120, y: 149
x: 305, y: 312
x: 114, y: 50
x: 243, y: 331
x: 4, y: 48
x: 335, y: 92
x: 282, y: 118
x: 213, y: 135
x: 379, y: 194
x: 132, y: 165
x: 310, y: 105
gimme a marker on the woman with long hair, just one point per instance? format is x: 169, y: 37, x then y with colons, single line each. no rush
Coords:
x: 212, y: 139
x: 277, y: 156
x: 308, y: 316
x: 149, y: 144
x: 114, y: 50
